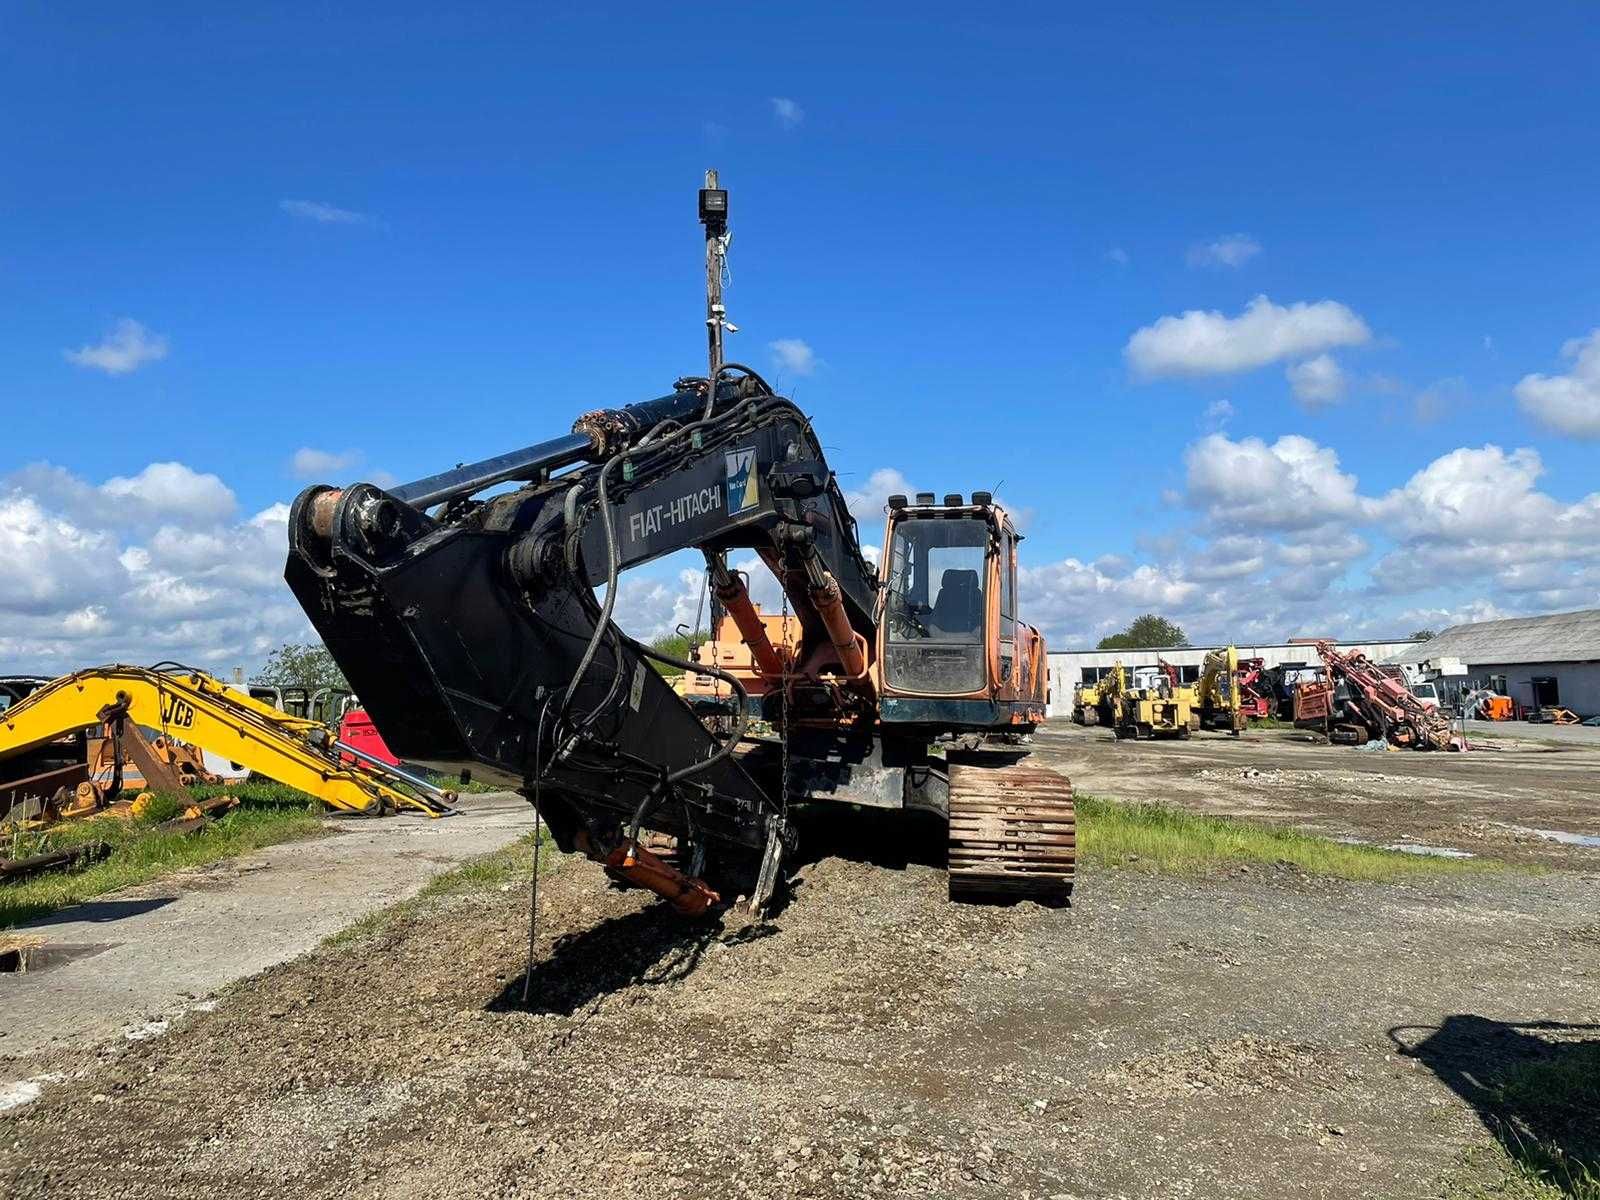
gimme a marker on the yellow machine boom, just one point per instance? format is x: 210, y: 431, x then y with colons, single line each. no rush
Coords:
x: 193, y: 707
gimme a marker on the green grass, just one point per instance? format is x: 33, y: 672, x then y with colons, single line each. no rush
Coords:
x: 1268, y: 723
x: 269, y: 813
x: 473, y: 787
x: 1549, y: 1140
x: 1158, y: 837
x: 511, y: 864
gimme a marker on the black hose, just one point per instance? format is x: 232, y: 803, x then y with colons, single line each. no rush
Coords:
x: 611, y: 589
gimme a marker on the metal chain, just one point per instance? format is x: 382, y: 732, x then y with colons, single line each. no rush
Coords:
x: 783, y: 706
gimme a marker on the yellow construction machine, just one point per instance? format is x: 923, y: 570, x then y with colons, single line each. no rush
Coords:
x: 1086, y: 704
x: 190, y: 708
x: 1157, y: 705
x: 1218, y: 693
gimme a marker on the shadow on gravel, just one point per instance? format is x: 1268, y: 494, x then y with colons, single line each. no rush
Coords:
x: 646, y: 948
x: 1535, y: 1085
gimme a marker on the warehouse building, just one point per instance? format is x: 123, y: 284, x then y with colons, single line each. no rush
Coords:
x: 1069, y: 669
x: 1540, y: 662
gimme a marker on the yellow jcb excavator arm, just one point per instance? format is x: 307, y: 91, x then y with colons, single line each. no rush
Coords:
x: 193, y: 707
x: 1211, y: 691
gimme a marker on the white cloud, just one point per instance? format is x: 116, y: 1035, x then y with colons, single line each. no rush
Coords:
x: 1485, y: 493
x: 142, y: 567
x: 1118, y: 255
x: 787, y: 113
x: 1209, y: 343
x: 125, y: 349
x: 311, y: 463
x: 1291, y: 484
x: 868, y: 501
x: 172, y: 490
x: 1230, y: 250
x: 51, y: 562
x: 1317, y: 382
x: 649, y: 607
x: 794, y: 354
x: 1277, y: 539
x: 323, y: 214
x: 1567, y: 403
x: 1472, y: 518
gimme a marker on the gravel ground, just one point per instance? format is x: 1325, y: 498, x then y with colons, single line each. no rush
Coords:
x: 1491, y: 800
x: 1256, y: 1033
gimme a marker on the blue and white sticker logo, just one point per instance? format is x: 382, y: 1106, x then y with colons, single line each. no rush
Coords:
x: 744, y: 492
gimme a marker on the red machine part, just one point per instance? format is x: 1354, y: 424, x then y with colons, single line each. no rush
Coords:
x: 1384, y: 704
x: 358, y: 730
x: 1252, y: 701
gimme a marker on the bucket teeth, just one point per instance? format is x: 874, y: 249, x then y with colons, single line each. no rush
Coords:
x: 1012, y: 834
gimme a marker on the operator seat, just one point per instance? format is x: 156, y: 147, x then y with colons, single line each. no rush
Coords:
x: 959, y: 606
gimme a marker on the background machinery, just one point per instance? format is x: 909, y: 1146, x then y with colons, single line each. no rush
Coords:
x: 1230, y: 691
x: 471, y: 627
x: 189, y: 708
x: 1156, y: 706
x: 1358, y: 701
x: 1086, y: 704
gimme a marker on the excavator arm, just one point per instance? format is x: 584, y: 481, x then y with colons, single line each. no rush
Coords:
x: 193, y: 707
x: 472, y: 628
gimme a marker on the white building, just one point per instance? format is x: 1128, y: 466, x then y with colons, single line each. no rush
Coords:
x: 1540, y: 662
x: 1069, y: 669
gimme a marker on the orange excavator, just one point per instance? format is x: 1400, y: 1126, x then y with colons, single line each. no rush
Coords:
x: 472, y: 626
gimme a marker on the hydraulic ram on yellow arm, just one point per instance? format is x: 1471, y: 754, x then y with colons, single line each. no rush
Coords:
x: 193, y: 707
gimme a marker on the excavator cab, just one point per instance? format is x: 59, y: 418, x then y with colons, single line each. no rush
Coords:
x: 952, y: 651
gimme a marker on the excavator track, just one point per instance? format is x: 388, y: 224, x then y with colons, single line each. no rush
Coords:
x: 1013, y: 835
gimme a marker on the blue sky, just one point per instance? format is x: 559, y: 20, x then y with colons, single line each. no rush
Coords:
x: 397, y: 239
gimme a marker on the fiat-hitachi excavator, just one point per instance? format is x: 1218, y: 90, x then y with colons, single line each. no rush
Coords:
x: 473, y: 629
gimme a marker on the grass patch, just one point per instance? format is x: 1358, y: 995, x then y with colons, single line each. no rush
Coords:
x: 269, y: 813
x: 473, y: 787
x: 1268, y: 723
x: 511, y: 864
x: 1549, y: 1141
x: 1158, y: 837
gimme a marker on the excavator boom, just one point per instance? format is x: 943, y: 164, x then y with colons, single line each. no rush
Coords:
x: 475, y: 638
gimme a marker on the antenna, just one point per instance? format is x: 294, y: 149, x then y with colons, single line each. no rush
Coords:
x: 714, y: 216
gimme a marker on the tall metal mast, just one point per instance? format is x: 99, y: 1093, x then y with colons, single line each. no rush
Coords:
x: 714, y: 216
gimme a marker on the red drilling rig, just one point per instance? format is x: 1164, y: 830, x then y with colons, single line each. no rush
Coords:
x: 1358, y: 702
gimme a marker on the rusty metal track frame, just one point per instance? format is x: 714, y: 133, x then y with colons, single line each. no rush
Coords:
x: 1013, y: 833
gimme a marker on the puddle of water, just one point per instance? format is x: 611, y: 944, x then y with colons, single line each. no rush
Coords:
x: 1565, y: 838
x: 1431, y: 851
x: 1411, y: 848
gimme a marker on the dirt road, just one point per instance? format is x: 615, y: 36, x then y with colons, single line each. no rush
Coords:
x: 1253, y: 1034
x: 1492, y: 800
x: 131, y: 962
